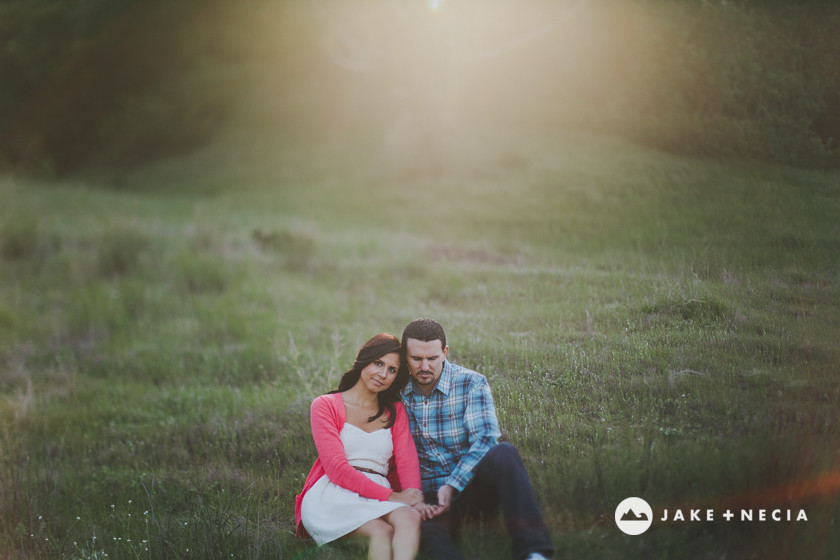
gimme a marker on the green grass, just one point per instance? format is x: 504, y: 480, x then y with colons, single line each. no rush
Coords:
x: 650, y: 325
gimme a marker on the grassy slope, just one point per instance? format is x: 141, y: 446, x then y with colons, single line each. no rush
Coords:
x: 651, y: 326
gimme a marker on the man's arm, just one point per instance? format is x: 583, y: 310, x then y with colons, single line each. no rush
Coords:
x: 483, y: 433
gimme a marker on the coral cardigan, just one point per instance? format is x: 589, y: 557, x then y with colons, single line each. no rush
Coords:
x: 327, y: 416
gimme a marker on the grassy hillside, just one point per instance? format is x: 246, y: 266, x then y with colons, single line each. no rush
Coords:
x: 651, y: 326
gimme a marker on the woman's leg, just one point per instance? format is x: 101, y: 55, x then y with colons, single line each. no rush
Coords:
x: 379, y: 533
x: 406, y: 540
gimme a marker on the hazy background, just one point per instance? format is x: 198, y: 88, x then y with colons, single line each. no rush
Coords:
x: 623, y: 212
x: 420, y: 83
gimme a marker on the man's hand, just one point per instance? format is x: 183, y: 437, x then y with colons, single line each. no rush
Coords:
x: 445, y: 495
x: 409, y: 497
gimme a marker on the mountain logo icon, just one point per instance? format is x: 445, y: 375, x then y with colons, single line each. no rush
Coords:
x: 633, y: 516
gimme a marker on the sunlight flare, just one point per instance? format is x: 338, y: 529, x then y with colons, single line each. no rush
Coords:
x: 434, y: 5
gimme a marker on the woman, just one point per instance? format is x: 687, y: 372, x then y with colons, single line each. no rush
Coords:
x: 367, y: 476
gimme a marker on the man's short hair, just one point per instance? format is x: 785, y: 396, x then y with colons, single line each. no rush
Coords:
x: 425, y: 330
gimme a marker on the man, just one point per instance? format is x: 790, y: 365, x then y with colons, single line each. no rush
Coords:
x: 463, y: 467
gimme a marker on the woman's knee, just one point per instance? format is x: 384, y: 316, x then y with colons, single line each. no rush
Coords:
x: 376, y: 529
x: 405, y: 517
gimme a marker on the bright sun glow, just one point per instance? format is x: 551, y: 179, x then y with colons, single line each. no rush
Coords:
x: 435, y: 5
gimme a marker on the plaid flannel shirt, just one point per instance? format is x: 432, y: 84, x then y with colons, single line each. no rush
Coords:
x: 453, y: 428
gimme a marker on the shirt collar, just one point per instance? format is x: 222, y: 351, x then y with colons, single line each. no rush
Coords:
x: 444, y: 384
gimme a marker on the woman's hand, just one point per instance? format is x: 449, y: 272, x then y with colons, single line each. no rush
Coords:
x: 409, y: 496
x: 427, y: 511
x: 446, y: 494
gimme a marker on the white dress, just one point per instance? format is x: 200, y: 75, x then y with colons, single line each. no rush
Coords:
x: 329, y: 511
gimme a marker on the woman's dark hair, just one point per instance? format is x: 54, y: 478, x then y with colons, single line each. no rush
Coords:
x: 373, y: 349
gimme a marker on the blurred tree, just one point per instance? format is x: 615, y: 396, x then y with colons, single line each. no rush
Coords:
x: 743, y: 79
x: 75, y: 70
x: 120, y: 82
x: 44, y: 63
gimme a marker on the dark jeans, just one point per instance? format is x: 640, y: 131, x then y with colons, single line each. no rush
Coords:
x: 500, y: 483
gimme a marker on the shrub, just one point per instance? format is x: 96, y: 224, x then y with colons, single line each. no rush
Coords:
x: 196, y: 274
x: 19, y: 238
x: 294, y: 250
x: 119, y: 251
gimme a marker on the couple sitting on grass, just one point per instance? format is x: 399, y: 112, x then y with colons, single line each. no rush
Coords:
x: 378, y: 434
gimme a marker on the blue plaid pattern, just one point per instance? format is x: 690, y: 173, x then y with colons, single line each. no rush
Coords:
x: 453, y: 428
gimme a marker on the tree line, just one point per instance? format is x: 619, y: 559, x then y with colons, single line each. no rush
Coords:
x: 119, y: 82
